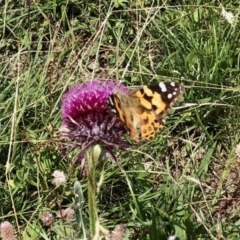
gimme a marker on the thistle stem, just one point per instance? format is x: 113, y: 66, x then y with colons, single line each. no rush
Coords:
x: 93, y: 156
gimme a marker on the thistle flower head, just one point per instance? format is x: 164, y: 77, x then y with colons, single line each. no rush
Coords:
x: 65, y: 214
x: 59, y: 178
x: 47, y: 219
x: 86, y: 119
x: 119, y: 232
x: 7, y: 231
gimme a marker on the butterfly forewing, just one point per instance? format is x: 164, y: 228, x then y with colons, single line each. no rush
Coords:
x: 159, y: 96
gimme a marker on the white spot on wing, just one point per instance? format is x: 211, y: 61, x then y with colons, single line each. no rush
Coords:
x: 163, y: 86
x: 169, y: 96
x: 173, y: 84
x: 174, y: 93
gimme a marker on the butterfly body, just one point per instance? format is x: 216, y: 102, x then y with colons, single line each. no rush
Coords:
x: 143, y: 110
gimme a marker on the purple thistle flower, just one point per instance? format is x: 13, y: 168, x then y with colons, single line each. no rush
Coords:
x: 86, y: 119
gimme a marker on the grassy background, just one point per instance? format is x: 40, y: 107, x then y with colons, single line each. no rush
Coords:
x: 185, y: 182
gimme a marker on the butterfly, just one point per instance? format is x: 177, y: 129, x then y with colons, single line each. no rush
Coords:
x: 144, y: 109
